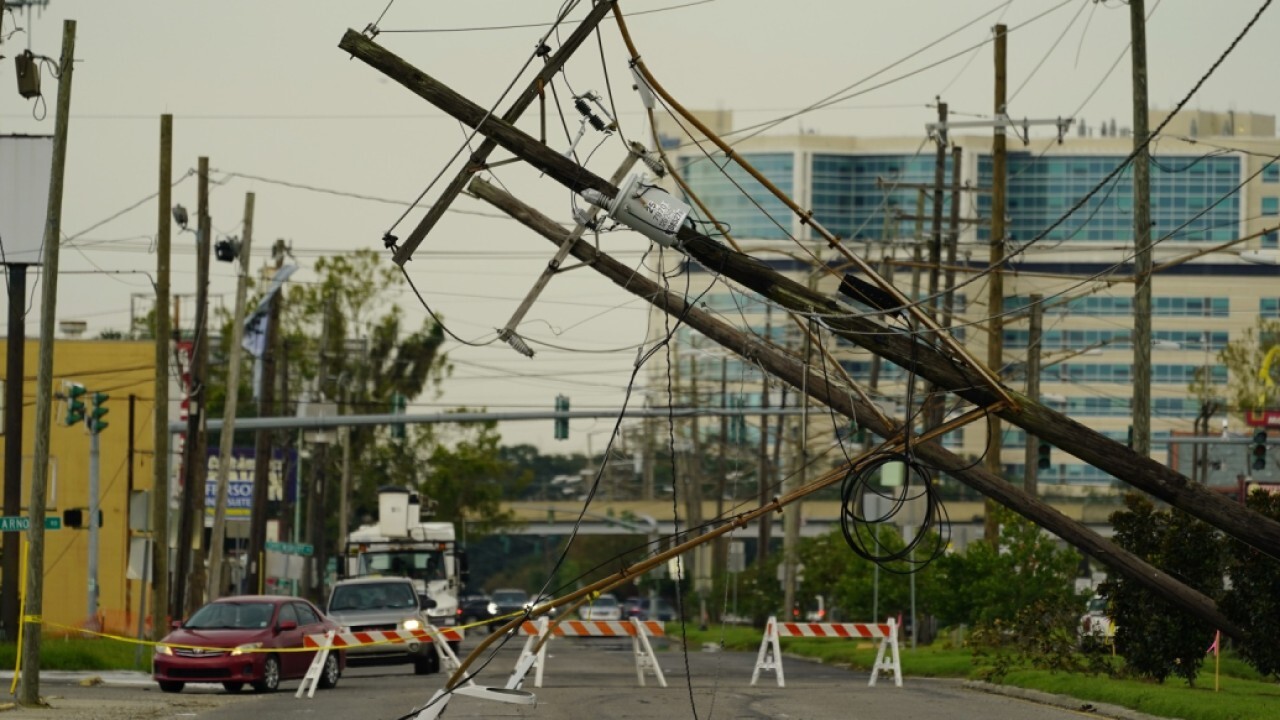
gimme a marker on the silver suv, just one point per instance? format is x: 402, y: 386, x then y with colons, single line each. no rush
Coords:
x: 381, y: 604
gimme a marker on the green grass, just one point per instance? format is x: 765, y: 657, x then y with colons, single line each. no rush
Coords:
x: 1243, y: 694
x: 82, y: 654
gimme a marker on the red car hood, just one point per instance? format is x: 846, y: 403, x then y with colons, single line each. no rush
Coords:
x: 217, y: 637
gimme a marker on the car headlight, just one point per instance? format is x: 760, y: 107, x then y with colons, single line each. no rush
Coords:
x: 164, y: 650
x: 440, y: 612
x: 242, y: 649
x: 492, y: 608
x: 411, y: 624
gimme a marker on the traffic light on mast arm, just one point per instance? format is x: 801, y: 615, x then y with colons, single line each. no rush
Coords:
x: 75, y: 405
x: 562, y: 424
x: 1259, y: 449
x: 96, y: 423
x: 1043, y: 461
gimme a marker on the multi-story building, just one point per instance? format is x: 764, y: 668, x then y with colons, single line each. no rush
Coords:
x: 1069, y: 220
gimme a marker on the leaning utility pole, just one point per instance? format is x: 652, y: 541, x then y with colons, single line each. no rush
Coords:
x: 160, y: 608
x: 262, y: 446
x: 932, y: 362
x: 553, y: 63
x: 29, y: 689
x: 1141, y: 234
x: 820, y: 387
x: 226, y: 437
x: 995, y: 283
x: 187, y: 588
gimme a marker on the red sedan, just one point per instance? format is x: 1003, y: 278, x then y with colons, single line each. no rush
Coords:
x: 246, y: 639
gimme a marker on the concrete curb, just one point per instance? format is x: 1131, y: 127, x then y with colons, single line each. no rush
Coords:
x: 114, y: 678
x: 1065, y: 702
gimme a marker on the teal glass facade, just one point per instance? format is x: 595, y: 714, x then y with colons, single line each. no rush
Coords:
x: 752, y: 211
x: 1195, y: 199
x: 854, y: 196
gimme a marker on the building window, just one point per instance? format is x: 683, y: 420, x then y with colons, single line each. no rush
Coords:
x: 1271, y: 239
x: 1269, y: 308
x: 1271, y: 206
x: 1271, y: 173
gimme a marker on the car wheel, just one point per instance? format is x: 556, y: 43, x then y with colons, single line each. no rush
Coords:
x: 270, y: 681
x: 171, y: 686
x: 331, y: 672
x: 233, y: 687
x: 427, y: 665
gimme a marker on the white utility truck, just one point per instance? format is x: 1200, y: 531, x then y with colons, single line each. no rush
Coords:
x: 402, y: 544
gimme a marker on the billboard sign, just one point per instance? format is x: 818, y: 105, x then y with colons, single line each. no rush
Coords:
x: 281, y: 485
x: 25, y: 164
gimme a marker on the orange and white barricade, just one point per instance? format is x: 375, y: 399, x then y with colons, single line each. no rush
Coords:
x: 534, y: 654
x: 770, y: 655
x: 332, y: 641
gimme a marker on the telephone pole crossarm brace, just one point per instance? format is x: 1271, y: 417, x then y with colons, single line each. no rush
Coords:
x: 903, y: 349
x: 554, y: 62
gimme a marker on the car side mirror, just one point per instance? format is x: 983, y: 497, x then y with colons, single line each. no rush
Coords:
x: 287, y: 625
x: 425, y: 602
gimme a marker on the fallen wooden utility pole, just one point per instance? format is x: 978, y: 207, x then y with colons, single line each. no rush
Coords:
x: 833, y: 394
x: 914, y: 354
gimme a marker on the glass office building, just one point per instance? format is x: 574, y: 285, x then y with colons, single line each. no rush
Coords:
x: 1069, y: 225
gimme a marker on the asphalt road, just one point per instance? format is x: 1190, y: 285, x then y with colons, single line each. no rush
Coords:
x: 583, y: 679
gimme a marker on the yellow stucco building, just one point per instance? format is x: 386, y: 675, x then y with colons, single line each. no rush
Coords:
x: 126, y: 371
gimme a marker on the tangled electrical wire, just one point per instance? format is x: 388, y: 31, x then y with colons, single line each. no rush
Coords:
x: 867, y: 501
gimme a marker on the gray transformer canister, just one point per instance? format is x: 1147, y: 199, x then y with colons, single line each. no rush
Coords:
x: 647, y: 209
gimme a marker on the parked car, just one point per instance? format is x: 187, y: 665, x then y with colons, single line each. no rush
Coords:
x: 384, y: 603
x: 231, y: 641
x: 1095, y: 622
x: 639, y: 608
x: 505, y: 602
x: 605, y: 607
x: 476, y: 608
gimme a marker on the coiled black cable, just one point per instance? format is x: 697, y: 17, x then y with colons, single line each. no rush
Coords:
x: 859, y: 521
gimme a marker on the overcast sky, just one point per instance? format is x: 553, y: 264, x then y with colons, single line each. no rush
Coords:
x: 262, y: 90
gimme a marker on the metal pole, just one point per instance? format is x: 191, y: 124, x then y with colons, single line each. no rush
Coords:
x: 92, y: 520
x: 13, y: 391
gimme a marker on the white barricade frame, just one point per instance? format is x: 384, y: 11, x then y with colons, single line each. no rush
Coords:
x: 539, y: 633
x: 770, y: 655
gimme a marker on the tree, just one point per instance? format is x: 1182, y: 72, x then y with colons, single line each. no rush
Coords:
x: 1157, y: 638
x: 1243, y: 358
x: 1253, y: 602
x: 976, y: 586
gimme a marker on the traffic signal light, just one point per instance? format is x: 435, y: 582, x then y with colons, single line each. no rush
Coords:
x: 562, y: 424
x: 1259, y: 449
x: 75, y: 405
x: 1043, y: 461
x: 96, y: 423
x: 397, y: 408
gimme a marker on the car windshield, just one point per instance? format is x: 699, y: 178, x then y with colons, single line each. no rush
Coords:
x: 417, y: 564
x: 373, y: 596
x: 606, y: 602
x: 232, y: 615
x: 510, y: 597
x: 1098, y: 605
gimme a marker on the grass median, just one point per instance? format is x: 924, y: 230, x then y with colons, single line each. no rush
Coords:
x: 1242, y: 693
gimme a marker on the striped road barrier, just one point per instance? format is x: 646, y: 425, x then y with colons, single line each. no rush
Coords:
x: 539, y: 632
x: 770, y: 655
